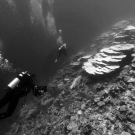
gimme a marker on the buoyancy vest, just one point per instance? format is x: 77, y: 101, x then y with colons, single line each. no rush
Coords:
x: 20, y: 81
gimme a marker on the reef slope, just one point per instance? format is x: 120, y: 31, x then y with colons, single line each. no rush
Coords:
x: 94, y: 94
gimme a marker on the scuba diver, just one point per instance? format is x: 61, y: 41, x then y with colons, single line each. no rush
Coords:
x: 61, y: 50
x: 19, y: 87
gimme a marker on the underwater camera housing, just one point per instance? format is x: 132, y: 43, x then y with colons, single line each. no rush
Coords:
x: 40, y: 90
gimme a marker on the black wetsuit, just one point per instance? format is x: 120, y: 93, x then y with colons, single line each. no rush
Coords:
x: 62, y: 50
x: 12, y: 97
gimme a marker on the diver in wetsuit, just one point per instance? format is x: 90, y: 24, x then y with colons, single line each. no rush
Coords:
x: 19, y: 87
x: 61, y: 50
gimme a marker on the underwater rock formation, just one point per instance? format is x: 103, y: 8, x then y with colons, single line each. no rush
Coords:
x: 78, y: 104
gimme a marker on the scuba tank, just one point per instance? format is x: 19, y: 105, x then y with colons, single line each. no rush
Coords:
x: 20, y: 79
x: 14, y: 83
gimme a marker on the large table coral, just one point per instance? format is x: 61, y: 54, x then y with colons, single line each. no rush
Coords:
x: 108, y: 59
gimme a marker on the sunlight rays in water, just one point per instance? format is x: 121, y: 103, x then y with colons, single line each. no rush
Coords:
x: 36, y: 14
x: 14, y: 11
x: 12, y: 4
x: 51, y: 27
x: 38, y: 17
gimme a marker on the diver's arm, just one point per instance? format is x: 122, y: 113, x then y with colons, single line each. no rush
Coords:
x: 39, y: 90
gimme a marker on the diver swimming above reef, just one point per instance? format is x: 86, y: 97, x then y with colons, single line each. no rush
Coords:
x: 23, y: 83
x: 61, y: 50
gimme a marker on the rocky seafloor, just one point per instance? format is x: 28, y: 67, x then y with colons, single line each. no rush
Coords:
x: 94, y: 94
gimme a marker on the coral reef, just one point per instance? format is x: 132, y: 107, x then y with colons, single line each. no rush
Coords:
x: 108, y: 59
x: 78, y: 104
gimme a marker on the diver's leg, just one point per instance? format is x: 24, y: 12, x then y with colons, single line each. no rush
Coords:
x: 12, y: 106
x: 65, y: 53
x: 13, y: 102
x: 5, y: 100
x: 14, y: 99
x: 59, y: 54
